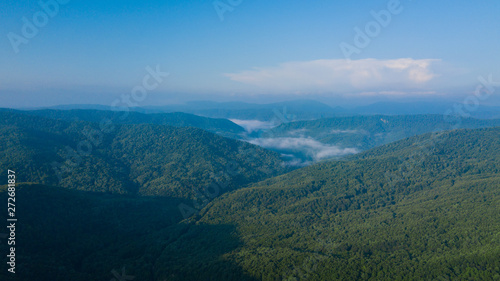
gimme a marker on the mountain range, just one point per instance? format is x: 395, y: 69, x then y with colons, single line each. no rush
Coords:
x: 296, y: 110
x: 163, y: 197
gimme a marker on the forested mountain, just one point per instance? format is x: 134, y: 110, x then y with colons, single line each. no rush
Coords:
x: 117, y: 183
x: 141, y: 159
x: 424, y: 208
x: 177, y: 119
x: 359, y: 133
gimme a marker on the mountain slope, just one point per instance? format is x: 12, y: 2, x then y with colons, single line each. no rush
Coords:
x: 177, y: 119
x: 436, y: 219
x: 145, y: 159
x: 74, y: 235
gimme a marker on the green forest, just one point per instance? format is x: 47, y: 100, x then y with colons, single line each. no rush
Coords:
x: 145, y: 159
x: 158, y: 200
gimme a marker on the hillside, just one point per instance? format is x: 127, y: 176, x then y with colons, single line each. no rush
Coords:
x: 424, y: 208
x: 66, y: 234
x: 141, y: 159
x: 419, y: 209
x: 176, y: 119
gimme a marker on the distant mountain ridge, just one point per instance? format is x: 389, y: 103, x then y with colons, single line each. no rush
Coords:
x: 291, y: 110
x: 298, y: 109
x: 420, y: 108
x: 177, y: 119
x: 302, y: 109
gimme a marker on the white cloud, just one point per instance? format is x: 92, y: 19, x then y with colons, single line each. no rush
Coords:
x: 297, y: 132
x: 253, y: 125
x: 342, y: 75
x: 310, y: 147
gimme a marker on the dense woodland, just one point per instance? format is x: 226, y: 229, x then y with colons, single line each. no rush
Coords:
x: 144, y: 159
x: 426, y: 208
x: 176, y: 119
x: 422, y: 208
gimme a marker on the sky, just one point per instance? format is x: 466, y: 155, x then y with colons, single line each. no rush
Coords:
x: 339, y: 52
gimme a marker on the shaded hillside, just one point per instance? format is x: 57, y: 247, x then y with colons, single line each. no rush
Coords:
x: 145, y: 159
x: 73, y: 235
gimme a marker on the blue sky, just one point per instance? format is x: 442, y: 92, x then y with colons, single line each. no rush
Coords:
x: 91, y: 51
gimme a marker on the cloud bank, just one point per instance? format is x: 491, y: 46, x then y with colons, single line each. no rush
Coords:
x: 308, y: 146
x: 341, y: 75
